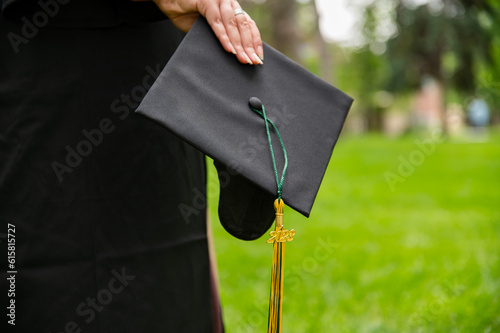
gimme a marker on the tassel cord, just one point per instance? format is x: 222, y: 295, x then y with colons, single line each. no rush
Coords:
x: 279, y: 235
x: 267, y: 121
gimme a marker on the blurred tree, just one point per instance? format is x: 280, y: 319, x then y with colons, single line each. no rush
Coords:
x: 325, y: 57
x: 489, y: 76
x: 446, y: 42
x: 364, y: 76
x: 285, y: 35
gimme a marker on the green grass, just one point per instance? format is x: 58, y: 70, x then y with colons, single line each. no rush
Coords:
x: 421, y: 255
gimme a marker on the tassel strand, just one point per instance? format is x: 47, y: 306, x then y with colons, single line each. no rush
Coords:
x: 278, y: 237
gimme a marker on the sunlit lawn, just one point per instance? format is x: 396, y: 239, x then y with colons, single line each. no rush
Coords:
x: 420, y: 255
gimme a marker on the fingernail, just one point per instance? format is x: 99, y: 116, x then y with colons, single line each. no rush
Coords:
x: 260, y: 51
x: 248, y: 59
x: 232, y: 48
x: 256, y: 57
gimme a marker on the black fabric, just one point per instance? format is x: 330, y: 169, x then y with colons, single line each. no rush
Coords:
x: 94, y: 191
x: 247, y: 221
x: 202, y: 95
x: 6, y: 3
x: 80, y: 13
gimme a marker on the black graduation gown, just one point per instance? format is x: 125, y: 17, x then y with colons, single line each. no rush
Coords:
x: 108, y: 207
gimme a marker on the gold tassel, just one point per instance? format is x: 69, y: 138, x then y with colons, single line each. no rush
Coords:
x: 278, y: 237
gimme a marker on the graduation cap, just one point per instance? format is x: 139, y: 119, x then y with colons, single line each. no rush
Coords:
x: 270, y: 129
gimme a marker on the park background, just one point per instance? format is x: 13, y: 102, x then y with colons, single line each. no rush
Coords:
x: 405, y: 233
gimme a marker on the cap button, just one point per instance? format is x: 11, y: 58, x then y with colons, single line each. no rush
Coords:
x: 255, y: 103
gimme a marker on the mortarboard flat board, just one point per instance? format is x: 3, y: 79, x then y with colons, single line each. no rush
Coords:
x: 202, y: 95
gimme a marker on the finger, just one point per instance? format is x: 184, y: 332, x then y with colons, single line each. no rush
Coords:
x: 232, y: 30
x: 214, y: 18
x: 257, y: 41
x: 243, y: 23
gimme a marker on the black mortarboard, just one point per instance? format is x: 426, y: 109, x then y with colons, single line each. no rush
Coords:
x: 203, y: 94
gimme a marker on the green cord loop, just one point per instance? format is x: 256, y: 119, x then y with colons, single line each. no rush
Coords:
x: 268, y: 121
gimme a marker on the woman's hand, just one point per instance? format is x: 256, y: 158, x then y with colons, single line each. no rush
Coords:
x: 237, y: 33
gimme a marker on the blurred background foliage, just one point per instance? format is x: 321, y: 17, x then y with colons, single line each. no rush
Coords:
x: 398, y: 48
x: 404, y: 235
